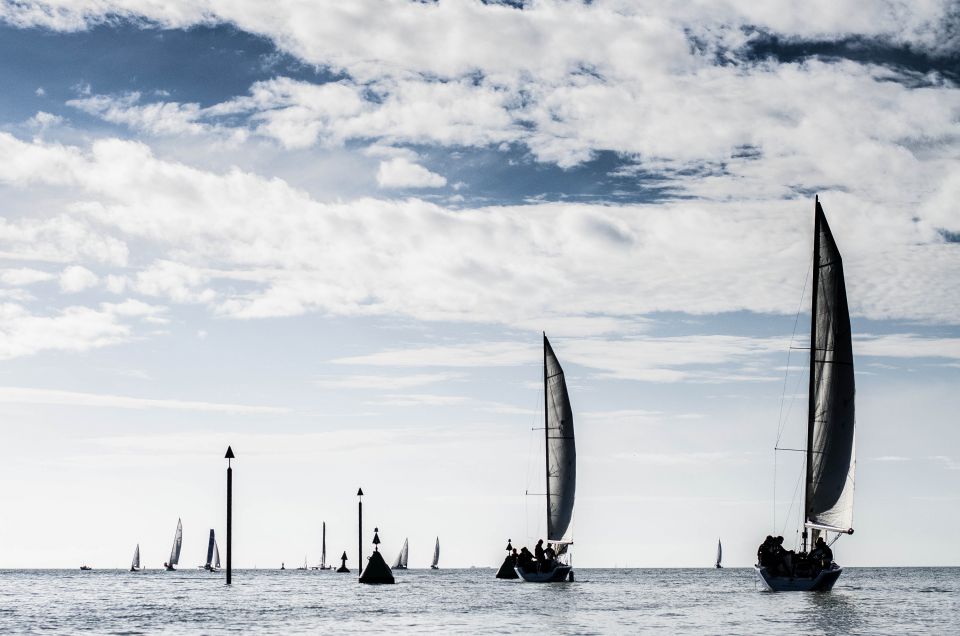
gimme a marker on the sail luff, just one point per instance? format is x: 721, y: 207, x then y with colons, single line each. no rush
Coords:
x: 561, y: 449
x: 811, y: 392
x: 831, y: 419
x: 177, y: 542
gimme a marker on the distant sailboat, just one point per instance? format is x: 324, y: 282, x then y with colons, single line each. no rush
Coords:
x: 401, y: 562
x: 323, y: 551
x: 175, y: 550
x: 436, y: 556
x: 719, y: 554
x: 561, y: 472
x: 304, y: 566
x: 135, y: 564
x: 830, y: 448
x: 212, y: 564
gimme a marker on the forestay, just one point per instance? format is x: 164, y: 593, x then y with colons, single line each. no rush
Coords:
x: 830, y: 449
x: 561, y: 449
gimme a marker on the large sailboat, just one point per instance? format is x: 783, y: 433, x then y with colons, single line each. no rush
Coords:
x: 135, y: 564
x: 436, y: 556
x: 401, y: 561
x: 561, y: 474
x: 830, y: 447
x: 175, y: 550
x: 213, y: 555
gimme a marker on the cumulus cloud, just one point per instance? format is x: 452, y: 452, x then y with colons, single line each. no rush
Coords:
x: 76, y: 278
x: 72, y: 329
x: 401, y: 173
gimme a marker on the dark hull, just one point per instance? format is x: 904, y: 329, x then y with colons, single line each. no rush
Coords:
x: 822, y: 582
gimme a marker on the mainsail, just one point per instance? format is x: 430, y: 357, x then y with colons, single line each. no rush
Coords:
x: 323, y: 549
x: 830, y: 429
x: 719, y: 552
x: 135, y: 564
x: 210, y: 544
x: 436, y: 554
x: 401, y: 561
x: 561, y: 449
x: 177, y: 541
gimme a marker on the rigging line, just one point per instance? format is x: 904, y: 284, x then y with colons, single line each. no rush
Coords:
x: 796, y: 321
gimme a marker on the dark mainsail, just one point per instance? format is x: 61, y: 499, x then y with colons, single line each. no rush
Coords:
x: 210, y: 545
x: 561, y: 449
x: 830, y: 427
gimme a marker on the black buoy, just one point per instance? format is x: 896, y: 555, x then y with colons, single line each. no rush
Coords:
x: 229, y: 456
x: 507, y: 570
x: 343, y: 564
x: 377, y: 570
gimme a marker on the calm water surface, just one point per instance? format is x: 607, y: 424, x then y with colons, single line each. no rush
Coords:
x: 865, y: 601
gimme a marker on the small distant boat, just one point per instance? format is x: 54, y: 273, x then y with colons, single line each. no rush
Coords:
x: 436, y: 556
x: 175, y: 550
x: 323, y: 552
x: 401, y: 561
x: 135, y: 564
x: 85, y: 568
x: 213, y: 555
x: 830, y: 448
x: 719, y: 554
x: 304, y: 566
x: 561, y: 469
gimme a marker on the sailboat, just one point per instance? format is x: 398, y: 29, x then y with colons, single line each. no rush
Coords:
x: 323, y: 552
x: 436, y: 556
x: 830, y: 448
x: 719, y: 554
x: 135, y: 564
x: 215, y: 567
x: 211, y: 546
x: 401, y: 562
x: 561, y: 474
x: 175, y: 550
x: 305, y: 566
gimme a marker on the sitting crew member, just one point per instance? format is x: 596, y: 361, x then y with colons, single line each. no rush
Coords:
x: 550, y: 554
x: 764, y: 554
x: 538, y: 551
x: 821, y: 555
x: 784, y: 557
x: 524, y: 559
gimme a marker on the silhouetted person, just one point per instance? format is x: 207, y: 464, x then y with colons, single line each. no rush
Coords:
x: 538, y: 551
x: 821, y: 555
x: 514, y: 556
x: 550, y: 554
x: 524, y: 559
x: 764, y: 553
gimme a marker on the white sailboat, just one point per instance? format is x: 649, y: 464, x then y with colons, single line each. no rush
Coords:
x: 304, y: 566
x: 401, y: 561
x: 719, y: 554
x: 216, y: 557
x: 175, y: 550
x: 135, y: 564
x: 830, y: 447
x: 436, y: 556
x: 561, y: 474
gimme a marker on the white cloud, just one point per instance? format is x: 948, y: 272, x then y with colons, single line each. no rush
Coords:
x: 24, y: 395
x: 76, y: 278
x: 24, y: 276
x: 401, y: 173
x: 385, y: 382
x: 72, y: 329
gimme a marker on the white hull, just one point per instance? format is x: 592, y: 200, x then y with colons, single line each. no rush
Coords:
x: 556, y: 575
x: 822, y: 582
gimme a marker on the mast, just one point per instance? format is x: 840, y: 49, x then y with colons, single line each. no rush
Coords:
x: 323, y: 549
x: 811, y: 391
x: 546, y: 430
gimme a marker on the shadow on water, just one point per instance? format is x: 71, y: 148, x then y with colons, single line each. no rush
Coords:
x: 832, y: 612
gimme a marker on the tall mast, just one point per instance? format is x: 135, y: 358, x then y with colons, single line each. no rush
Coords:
x: 546, y: 431
x: 811, y: 392
x: 323, y: 552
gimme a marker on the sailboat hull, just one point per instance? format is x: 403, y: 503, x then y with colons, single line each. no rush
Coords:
x: 822, y: 582
x: 556, y: 575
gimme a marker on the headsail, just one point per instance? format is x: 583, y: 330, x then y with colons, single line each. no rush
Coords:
x: 436, y: 554
x: 136, y: 558
x: 210, y: 545
x: 177, y: 541
x: 561, y: 449
x: 830, y: 430
x: 216, y: 555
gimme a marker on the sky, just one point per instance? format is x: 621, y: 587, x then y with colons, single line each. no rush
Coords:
x: 330, y: 235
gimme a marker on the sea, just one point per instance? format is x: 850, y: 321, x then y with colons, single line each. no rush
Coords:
x: 472, y: 601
